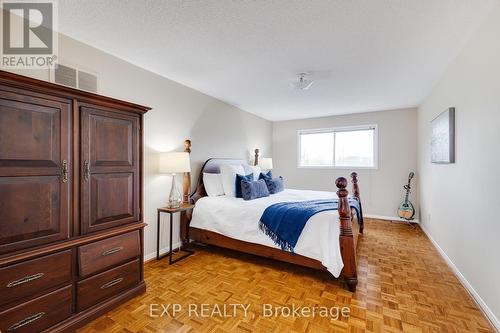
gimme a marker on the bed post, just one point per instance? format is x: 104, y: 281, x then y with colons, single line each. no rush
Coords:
x: 256, y: 160
x: 186, y: 184
x: 186, y: 187
x: 355, y: 192
x: 346, y: 237
x: 355, y: 187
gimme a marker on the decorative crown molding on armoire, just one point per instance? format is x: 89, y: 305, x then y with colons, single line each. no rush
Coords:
x: 71, y: 228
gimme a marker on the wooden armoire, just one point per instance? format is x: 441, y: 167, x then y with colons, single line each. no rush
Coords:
x: 71, y: 229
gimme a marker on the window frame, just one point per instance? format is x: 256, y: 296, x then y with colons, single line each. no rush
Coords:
x: 334, y: 130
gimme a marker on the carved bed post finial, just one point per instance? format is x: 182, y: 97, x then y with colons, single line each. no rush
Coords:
x: 355, y: 187
x: 256, y: 160
x: 344, y: 209
x: 346, y: 237
x: 355, y: 192
x: 187, y: 146
x: 186, y: 184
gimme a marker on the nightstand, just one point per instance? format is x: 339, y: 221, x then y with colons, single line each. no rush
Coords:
x: 171, y: 212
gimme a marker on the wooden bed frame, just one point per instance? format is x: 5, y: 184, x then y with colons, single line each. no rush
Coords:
x: 348, y: 234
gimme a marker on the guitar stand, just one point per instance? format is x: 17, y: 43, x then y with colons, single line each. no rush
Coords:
x: 407, y: 222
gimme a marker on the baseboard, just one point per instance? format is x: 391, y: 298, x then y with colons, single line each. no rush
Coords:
x: 152, y: 255
x: 389, y: 218
x: 474, y: 295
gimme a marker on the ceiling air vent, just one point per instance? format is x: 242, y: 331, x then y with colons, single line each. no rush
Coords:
x: 87, y: 81
x: 65, y: 75
x: 74, y: 78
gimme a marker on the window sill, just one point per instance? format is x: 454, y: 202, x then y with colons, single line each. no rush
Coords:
x: 338, y: 167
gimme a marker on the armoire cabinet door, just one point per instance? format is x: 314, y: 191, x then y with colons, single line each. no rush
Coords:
x: 35, y: 169
x: 110, y: 168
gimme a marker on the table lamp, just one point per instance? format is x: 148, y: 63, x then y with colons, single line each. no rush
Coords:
x: 173, y: 163
x: 266, y: 163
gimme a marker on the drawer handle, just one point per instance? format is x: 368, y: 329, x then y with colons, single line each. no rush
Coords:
x: 25, y: 279
x: 26, y: 321
x: 112, y: 251
x: 86, y: 170
x: 111, y: 283
x: 64, y: 171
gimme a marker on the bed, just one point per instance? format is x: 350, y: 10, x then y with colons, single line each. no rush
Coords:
x: 328, y: 241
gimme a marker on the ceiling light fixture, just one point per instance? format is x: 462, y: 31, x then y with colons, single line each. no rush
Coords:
x: 302, y: 82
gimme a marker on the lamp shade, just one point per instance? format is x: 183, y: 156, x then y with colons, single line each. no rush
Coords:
x: 175, y: 162
x: 266, y: 163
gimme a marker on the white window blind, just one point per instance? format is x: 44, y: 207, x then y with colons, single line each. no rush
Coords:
x: 346, y: 147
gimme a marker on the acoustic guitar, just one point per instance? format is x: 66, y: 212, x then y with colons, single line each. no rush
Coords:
x: 406, y: 209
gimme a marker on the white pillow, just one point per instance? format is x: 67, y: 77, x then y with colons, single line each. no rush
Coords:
x: 228, y: 174
x: 213, y: 184
x: 255, y: 169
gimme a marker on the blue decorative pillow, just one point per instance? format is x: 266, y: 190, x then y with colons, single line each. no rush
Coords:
x: 268, y: 175
x: 254, y: 189
x: 239, y: 179
x: 275, y: 185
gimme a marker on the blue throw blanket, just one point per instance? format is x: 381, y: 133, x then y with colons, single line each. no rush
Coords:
x: 284, y: 221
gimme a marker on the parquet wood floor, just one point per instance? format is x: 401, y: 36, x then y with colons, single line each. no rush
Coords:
x: 404, y: 286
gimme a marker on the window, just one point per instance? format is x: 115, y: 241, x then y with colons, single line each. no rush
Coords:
x: 346, y: 147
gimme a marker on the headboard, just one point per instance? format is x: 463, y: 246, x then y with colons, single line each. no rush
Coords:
x: 212, y: 165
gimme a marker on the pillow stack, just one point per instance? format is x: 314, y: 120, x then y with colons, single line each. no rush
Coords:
x: 242, y: 181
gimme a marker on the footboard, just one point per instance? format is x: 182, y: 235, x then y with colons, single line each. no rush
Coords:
x: 347, y: 245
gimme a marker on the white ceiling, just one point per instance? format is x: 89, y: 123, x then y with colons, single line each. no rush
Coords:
x: 371, y: 54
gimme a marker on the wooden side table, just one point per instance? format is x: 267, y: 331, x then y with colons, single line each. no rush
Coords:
x: 171, y: 212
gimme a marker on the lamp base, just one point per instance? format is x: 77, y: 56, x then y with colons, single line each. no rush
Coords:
x: 175, y: 198
x: 173, y: 205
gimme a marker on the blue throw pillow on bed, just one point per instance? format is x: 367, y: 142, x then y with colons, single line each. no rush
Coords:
x: 239, y: 179
x: 254, y: 189
x: 275, y: 185
x: 268, y: 175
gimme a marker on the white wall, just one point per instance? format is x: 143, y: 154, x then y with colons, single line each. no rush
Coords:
x: 215, y: 128
x: 459, y: 202
x: 381, y: 189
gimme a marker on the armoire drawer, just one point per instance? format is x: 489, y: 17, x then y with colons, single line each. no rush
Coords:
x: 107, y: 284
x: 38, y: 314
x: 106, y: 253
x: 34, y: 276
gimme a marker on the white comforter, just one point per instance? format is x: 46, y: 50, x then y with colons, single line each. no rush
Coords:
x: 239, y: 219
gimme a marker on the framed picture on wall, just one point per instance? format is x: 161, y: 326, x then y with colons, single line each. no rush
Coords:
x: 443, y: 138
